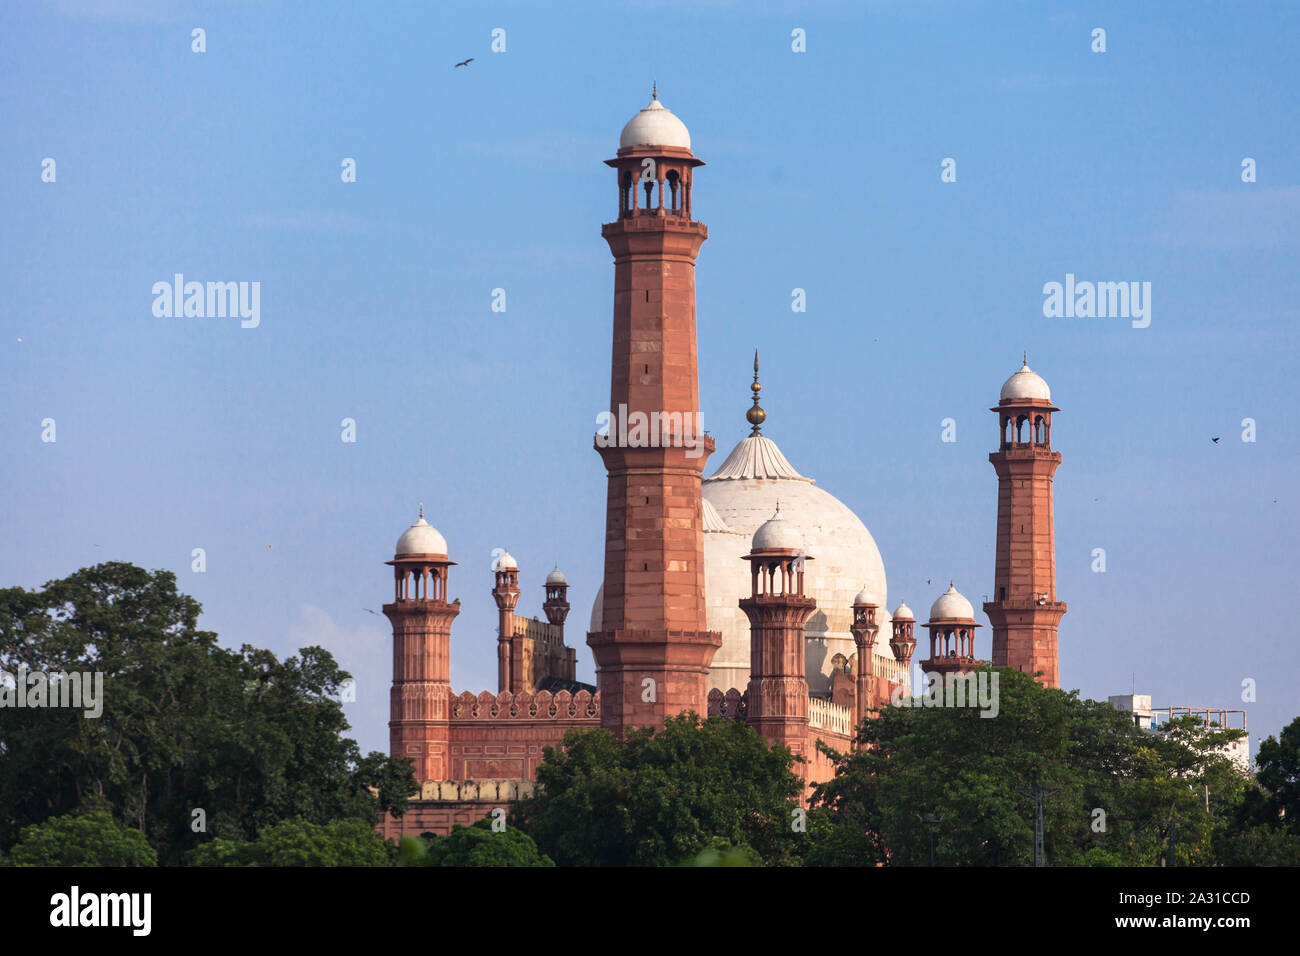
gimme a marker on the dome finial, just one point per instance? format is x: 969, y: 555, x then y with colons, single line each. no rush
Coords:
x: 654, y: 90
x: 1025, y: 360
x: 756, y: 416
x: 421, y: 510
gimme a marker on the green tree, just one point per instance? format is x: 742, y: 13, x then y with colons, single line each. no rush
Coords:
x: 475, y: 845
x: 1266, y: 828
x: 955, y: 776
x: 187, y: 725
x: 662, y: 796
x: 90, y: 838
x: 299, y: 842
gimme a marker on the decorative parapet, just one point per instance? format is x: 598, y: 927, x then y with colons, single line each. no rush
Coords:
x: 473, y: 791
x: 541, y: 631
x: 895, y: 671
x: 542, y: 705
x: 825, y: 715
x: 732, y: 704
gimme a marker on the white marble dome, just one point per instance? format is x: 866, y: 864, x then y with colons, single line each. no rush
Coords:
x: 741, y: 496
x: 865, y: 597
x: 951, y: 606
x: 737, y: 498
x: 655, y: 126
x: 903, y: 613
x: 421, y: 538
x: 744, y: 491
x: 1026, y: 383
x: 556, y: 577
x: 505, y: 562
x: 777, y: 534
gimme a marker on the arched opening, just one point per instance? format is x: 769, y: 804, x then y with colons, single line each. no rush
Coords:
x: 674, y: 182
x: 625, y: 194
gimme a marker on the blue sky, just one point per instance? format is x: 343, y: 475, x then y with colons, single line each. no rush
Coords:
x: 823, y: 174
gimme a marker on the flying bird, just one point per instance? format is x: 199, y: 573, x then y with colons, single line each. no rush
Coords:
x: 464, y: 63
x: 1215, y: 440
x: 375, y: 613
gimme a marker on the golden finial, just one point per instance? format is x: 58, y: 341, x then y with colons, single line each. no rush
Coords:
x: 421, y: 510
x: 756, y: 416
x: 1025, y: 358
x: 654, y: 90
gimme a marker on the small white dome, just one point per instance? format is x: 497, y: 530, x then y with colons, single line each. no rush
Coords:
x: 557, y: 577
x: 903, y: 613
x: 655, y: 126
x: 421, y: 538
x: 506, y: 562
x: 776, y: 532
x: 864, y: 597
x: 951, y: 606
x: 1026, y: 383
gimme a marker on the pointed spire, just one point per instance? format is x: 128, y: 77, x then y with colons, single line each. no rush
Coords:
x: 421, y: 510
x: 756, y: 416
x: 654, y: 90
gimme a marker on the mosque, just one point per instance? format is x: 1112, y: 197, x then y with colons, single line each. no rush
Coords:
x: 750, y: 593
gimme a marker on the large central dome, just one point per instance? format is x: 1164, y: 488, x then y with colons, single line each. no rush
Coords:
x: 742, y: 494
x: 739, y: 497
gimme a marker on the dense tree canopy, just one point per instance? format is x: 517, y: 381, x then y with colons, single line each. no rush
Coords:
x: 954, y: 775
x: 476, y: 845
x: 195, y: 740
x: 299, y: 842
x: 661, y: 797
x: 91, y: 838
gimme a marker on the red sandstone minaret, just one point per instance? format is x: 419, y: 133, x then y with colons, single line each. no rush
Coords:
x: 903, y: 641
x: 420, y: 700
x: 778, y: 610
x: 653, y: 655
x: 952, y: 635
x: 1025, y: 613
x: 864, y: 629
x: 512, y: 672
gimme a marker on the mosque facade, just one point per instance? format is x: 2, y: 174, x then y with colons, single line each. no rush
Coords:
x: 749, y: 592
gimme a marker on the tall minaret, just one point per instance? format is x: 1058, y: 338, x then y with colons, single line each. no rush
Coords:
x: 778, y: 609
x: 652, y: 658
x: 420, y: 700
x: 864, y: 629
x: 512, y: 672
x: 1024, y: 612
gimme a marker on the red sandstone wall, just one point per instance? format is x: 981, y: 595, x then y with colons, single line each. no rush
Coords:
x: 436, y: 817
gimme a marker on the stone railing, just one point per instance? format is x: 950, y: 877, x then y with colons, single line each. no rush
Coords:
x: 732, y: 704
x: 542, y: 705
x: 460, y: 791
x: 824, y: 715
x: 895, y: 671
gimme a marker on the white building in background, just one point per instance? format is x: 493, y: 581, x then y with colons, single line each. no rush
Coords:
x: 1153, y: 719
